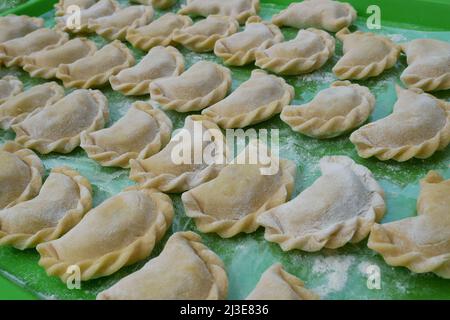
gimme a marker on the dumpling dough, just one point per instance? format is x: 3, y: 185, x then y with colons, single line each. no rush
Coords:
x: 139, y: 134
x: 417, y: 128
x: 241, y: 10
x: 160, y: 62
x: 203, y: 35
x: 158, y: 33
x: 239, y: 49
x: 365, y: 55
x: 9, y: 87
x: 159, y: 4
x: 63, y: 5
x: 422, y: 243
x: 13, y: 51
x: 45, y: 63
x: 186, y: 269
x: 322, y: 14
x: 167, y: 174
x: 428, y: 64
x: 121, y: 231
x: 256, y: 100
x: 230, y: 203
x: 94, y: 71
x: 202, y: 85
x: 20, y: 174
x: 116, y: 25
x: 63, y: 200
x: 277, y: 284
x: 340, y: 207
x: 12, y: 26
x: 57, y: 127
x: 333, y: 111
x: 17, y: 108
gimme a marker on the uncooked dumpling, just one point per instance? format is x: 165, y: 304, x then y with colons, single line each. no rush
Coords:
x: 63, y: 5
x: 340, y: 207
x: 12, y: 26
x: 159, y: 4
x: 139, y: 134
x: 57, y: 127
x: 418, y: 127
x: 421, y: 243
x: 186, y: 269
x: 254, y: 101
x: 333, y: 111
x: 9, y: 87
x: 62, y: 201
x: 121, y: 231
x: 200, y: 86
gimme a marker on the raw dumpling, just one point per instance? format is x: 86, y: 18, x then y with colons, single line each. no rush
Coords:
x: 122, y: 230
x: 309, y: 51
x: 417, y: 128
x: 160, y: 62
x: 116, y: 25
x: 63, y: 5
x: 365, y: 55
x: 20, y: 106
x: 277, y: 284
x: 334, y: 111
x: 202, y: 85
x: 256, y: 100
x: 428, y: 64
x: 186, y: 269
x: 158, y: 33
x: 62, y: 201
x: 13, y: 51
x: 421, y: 243
x: 169, y: 174
x: 57, y: 127
x: 20, y: 174
x: 322, y: 14
x: 203, y: 35
x: 241, y: 10
x: 12, y: 26
x: 9, y: 87
x: 45, y: 63
x: 139, y: 134
x: 159, y: 4
x: 340, y: 207
x: 239, y: 49
x: 94, y: 71
x: 244, y: 189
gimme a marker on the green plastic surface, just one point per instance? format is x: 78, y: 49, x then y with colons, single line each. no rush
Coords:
x: 334, y: 274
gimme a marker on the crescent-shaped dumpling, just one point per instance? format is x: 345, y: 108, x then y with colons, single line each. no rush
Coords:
x: 9, y: 87
x: 12, y: 26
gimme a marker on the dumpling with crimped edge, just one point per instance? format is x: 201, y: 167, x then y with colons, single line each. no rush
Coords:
x: 241, y: 10
x: 277, y: 284
x: 339, y: 207
x: 12, y: 26
x: 256, y: 100
x: 20, y: 174
x: 158, y: 4
x: 57, y: 127
x: 45, y: 63
x: 309, y: 51
x: 169, y: 174
x: 116, y: 25
x: 243, y: 190
x: 10, y: 86
x: 62, y: 201
x: 160, y: 62
x: 158, y: 33
x: 139, y: 134
x: 421, y: 243
x: 13, y: 51
x: 418, y: 127
x: 428, y: 64
x: 62, y: 5
x: 120, y: 231
x: 365, y: 55
x: 333, y: 111
x: 322, y: 14
x: 239, y: 49
x: 202, y: 85
x: 186, y: 269
x: 94, y: 71
x: 17, y: 108
x: 203, y: 35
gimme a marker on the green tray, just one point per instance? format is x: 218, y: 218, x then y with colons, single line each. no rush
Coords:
x: 334, y: 274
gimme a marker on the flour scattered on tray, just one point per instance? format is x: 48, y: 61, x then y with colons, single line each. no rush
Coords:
x: 320, y: 76
x: 335, y: 269
x: 397, y: 37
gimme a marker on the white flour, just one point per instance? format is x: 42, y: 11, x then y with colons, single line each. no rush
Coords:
x: 335, y: 269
